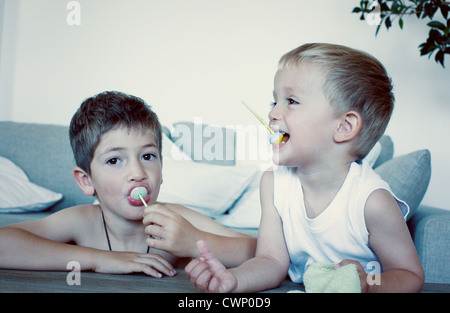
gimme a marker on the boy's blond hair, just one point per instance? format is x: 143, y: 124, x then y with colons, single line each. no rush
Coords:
x: 354, y: 80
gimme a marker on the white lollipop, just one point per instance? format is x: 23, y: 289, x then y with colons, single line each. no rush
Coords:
x: 138, y: 191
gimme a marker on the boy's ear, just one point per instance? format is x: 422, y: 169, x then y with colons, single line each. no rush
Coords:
x: 84, y: 181
x: 348, y: 127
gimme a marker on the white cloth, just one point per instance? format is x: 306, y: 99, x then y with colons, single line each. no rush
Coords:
x: 339, y: 232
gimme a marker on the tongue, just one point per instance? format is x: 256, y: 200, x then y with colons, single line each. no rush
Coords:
x: 285, y: 138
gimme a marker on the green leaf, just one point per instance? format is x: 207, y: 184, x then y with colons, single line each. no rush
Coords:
x: 439, y: 57
x: 436, y: 24
x: 400, y: 23
x: 430, y: 9
x: 444, y: 10
x: 387, y: 22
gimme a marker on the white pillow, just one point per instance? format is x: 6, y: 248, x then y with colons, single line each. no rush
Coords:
x: 18, y: 194
x: 246, y: 213
x: 208, y: 189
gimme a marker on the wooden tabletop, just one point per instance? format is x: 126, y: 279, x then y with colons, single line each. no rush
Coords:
x: 88, y: 282
x: 46, y: 281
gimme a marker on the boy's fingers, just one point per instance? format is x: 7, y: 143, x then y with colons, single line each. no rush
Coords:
x: 157, y: 263
x: 191, y: 265
x: 155, y: 218
x: 197, y: 270
x: 204, y: 250
x: 156, y: 231
x: 214, y: 285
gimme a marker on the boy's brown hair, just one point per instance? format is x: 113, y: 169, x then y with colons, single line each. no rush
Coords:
x: 104, y: 112
x: 354, y: 80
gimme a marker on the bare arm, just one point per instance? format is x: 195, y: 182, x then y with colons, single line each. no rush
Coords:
x: 180, y: 228
x: 267, y: 270
x: 44, y: 245
x: 390, y: 239
x: 21, y: 249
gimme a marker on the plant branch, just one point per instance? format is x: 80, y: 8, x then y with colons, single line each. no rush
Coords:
x: 387, y: 11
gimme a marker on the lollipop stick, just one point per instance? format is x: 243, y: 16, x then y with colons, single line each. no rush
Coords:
x: 258, y: 117
x: 142, y: 199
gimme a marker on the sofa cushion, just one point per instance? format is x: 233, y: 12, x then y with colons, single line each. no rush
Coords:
x: 386, y: 152
x: 408, y: 176
x: 43, y: 152
x: 430, y: 228
x: 18, y: 194
x: 207, y: 188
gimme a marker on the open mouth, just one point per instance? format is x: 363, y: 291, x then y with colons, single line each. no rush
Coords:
x: 279, y: 138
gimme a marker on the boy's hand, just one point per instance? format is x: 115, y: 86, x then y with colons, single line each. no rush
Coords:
x: 361, y: 272
x: 169, y: 231
x: 116, y: 262
x: 208, y: 274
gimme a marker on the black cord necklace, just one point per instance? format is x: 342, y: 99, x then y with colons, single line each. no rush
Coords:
x: 107, y: 235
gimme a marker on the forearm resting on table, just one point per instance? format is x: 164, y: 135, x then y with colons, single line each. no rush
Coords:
x: 20, y: 249
x: 231, y: 251
x: 260, y: 273
x: 397, y: 280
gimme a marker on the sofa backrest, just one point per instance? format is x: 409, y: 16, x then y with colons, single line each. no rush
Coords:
x: 43, y: 152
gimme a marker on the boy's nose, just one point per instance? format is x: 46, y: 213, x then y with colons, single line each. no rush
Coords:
x: 275, y: 114
x: 137, y: 172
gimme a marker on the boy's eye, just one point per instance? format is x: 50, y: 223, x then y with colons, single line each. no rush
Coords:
x: 113, y: 161
x: 148, y: 157
x: 292, y: 101
x: 272, y: 104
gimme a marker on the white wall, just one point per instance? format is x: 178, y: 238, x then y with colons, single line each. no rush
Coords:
x: 199, y: 58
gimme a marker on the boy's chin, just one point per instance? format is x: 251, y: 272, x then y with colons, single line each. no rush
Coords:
x: 277, y: 160
x: 136, y: 215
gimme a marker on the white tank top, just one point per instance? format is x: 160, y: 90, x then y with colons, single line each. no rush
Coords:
x: 339, y: 232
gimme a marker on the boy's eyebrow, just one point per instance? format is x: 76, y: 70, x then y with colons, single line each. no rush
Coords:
x: 114, y: 149
x: 151, y: 145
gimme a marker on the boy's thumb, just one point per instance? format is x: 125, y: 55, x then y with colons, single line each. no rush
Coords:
x: 204, y: 250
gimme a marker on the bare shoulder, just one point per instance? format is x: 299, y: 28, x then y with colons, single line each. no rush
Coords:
x: 382, y: 210
x: 82, y: 214
x: 64, y: 225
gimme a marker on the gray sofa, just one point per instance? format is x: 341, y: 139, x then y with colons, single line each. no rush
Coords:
x: 43, y: 153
